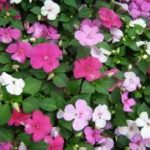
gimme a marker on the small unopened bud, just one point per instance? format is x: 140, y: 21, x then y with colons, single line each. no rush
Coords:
x: 16, y: 67
x: 50, y: 76
x: 7, y: 14
x: 32, y: 39
x: 39, y: 17
x: 130, y: 67
x: 145, y: 56
x: 16, y: 106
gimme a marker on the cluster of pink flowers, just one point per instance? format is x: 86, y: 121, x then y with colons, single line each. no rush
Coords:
x: 139, y: 8
x: 40, y: 130
x: 39, y: 30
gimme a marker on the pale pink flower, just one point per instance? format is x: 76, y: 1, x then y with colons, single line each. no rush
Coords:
x: 88, y: 68
x: 45, y: 56
x: 117, y: 34
x: 81, y: 114
x: 131, y: 82
x: 18, y: 118
x: 89, y: 36
x: 91, y: 23
x: 39, y: 126
x: 92, y: 135
x: 6, y: 146
x: 127, y: 102
x: 109, y: 18
x: 8, y: 34
x: 19, y: 51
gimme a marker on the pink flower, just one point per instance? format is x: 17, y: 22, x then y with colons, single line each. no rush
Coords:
x: 139, y: 8
x: 88, y: 68
x: 45, y: 56
x: 81, y: 114
x: 37, y: 30
x: 39, y: 126
x: 92, y: 135
x: 91, y: 23
x: 6, y: 146
x: 109, y: 18
x: 89, y: 36
x: 18, y: 118
x: 19, y: 50
x: 131, y: 82
x: 127, y: 102
x: 8, y: 34
x: 56, y: 143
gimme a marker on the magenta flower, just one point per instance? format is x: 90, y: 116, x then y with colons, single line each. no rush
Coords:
x: 127, y: 102
x: 139, y: 8
x: 8, y: 34
x: 109, y: 18
x: 56, y: 143
x: 20, y: 51
x: 6, y: 146
x: 39, y: 126
x: 88, y: 68
x: 18, y: 118
x: 81, y: 114
x: 89, y: 36
x: 37, y: 30
x: 92, y: 135
x: 45, y: 56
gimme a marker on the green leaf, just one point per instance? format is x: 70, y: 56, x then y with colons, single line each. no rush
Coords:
x: 143, y: 107
x: 60, y: 80
x: 4, y: 58
x: 25, y: 138
x: 66, y: 124
x: 85, y: 12
x: 32, y: 86
x: 48, y: 104
x: 122, y: 141
x: 87, y: 88
x: 6, y: 135
x: 72, y: 3
x: 38, y: 146
x: 17, y: 24
x: 143, y: 66
x: 5, y: 114
x: 30, y: 104
x: 36, y: 10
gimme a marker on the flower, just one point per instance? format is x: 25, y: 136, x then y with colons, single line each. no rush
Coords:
x: 89, y: 36
x: 81, y: 114
x: 101, y: 114
x: 100, y: 53
x: 45, y: 56
x: 145, y: 43
x: 117, y: 34
x: 39, y: 126
x: 139, y: 8
x: 87, y: 67
x: 92, y: 135
x: 131, y: 82
x: 144, y: 122
x: 18, y: 118
x: 109, y: 18
x: 107, y: 144
x: 6, y: 146
x: 13, y: 86
x: 22, y: 146
x: 91, y: 23
x: 19, y: 50
x: 50, y: 9
x: 15, y: 1
x: 8, y: 34
x: 127, y: 102
x: 130, y: 130
x: 140, y: 22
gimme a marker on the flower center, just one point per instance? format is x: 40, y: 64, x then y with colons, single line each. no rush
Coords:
x: 46, y: 57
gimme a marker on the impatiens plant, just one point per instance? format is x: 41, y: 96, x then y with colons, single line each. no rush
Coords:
x: 74, y: 74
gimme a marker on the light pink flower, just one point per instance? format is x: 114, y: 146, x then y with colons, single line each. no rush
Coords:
x: 109, y: 18
x: 55, y: 143
x: 91, y: 23
x: 127, y: 102
x: 18, y: 118
x: 8, y: 34
x: 92, y: 135
x: 6, y: 146
x: 20, y: 51
x: 117, y: 34
x: 88, y: 68
x: 81, y: 114
x: 89, y: 36
x: 39, y: 126
x: 131, y: 82
x: 45, y: 56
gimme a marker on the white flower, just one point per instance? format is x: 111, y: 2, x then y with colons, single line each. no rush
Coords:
x: 117, y: 34
x: 60, y: 114
x: 15, y: 87
x: 100, y: 115
x: 5, y: 79
x: 129, y: 130
x: 22, y: 146
x: 139, y: 22
x: 144, y: 122
x: 145, y: 43
x: 15, y: 1
x: 100, y: 53
x: 50, y: 9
